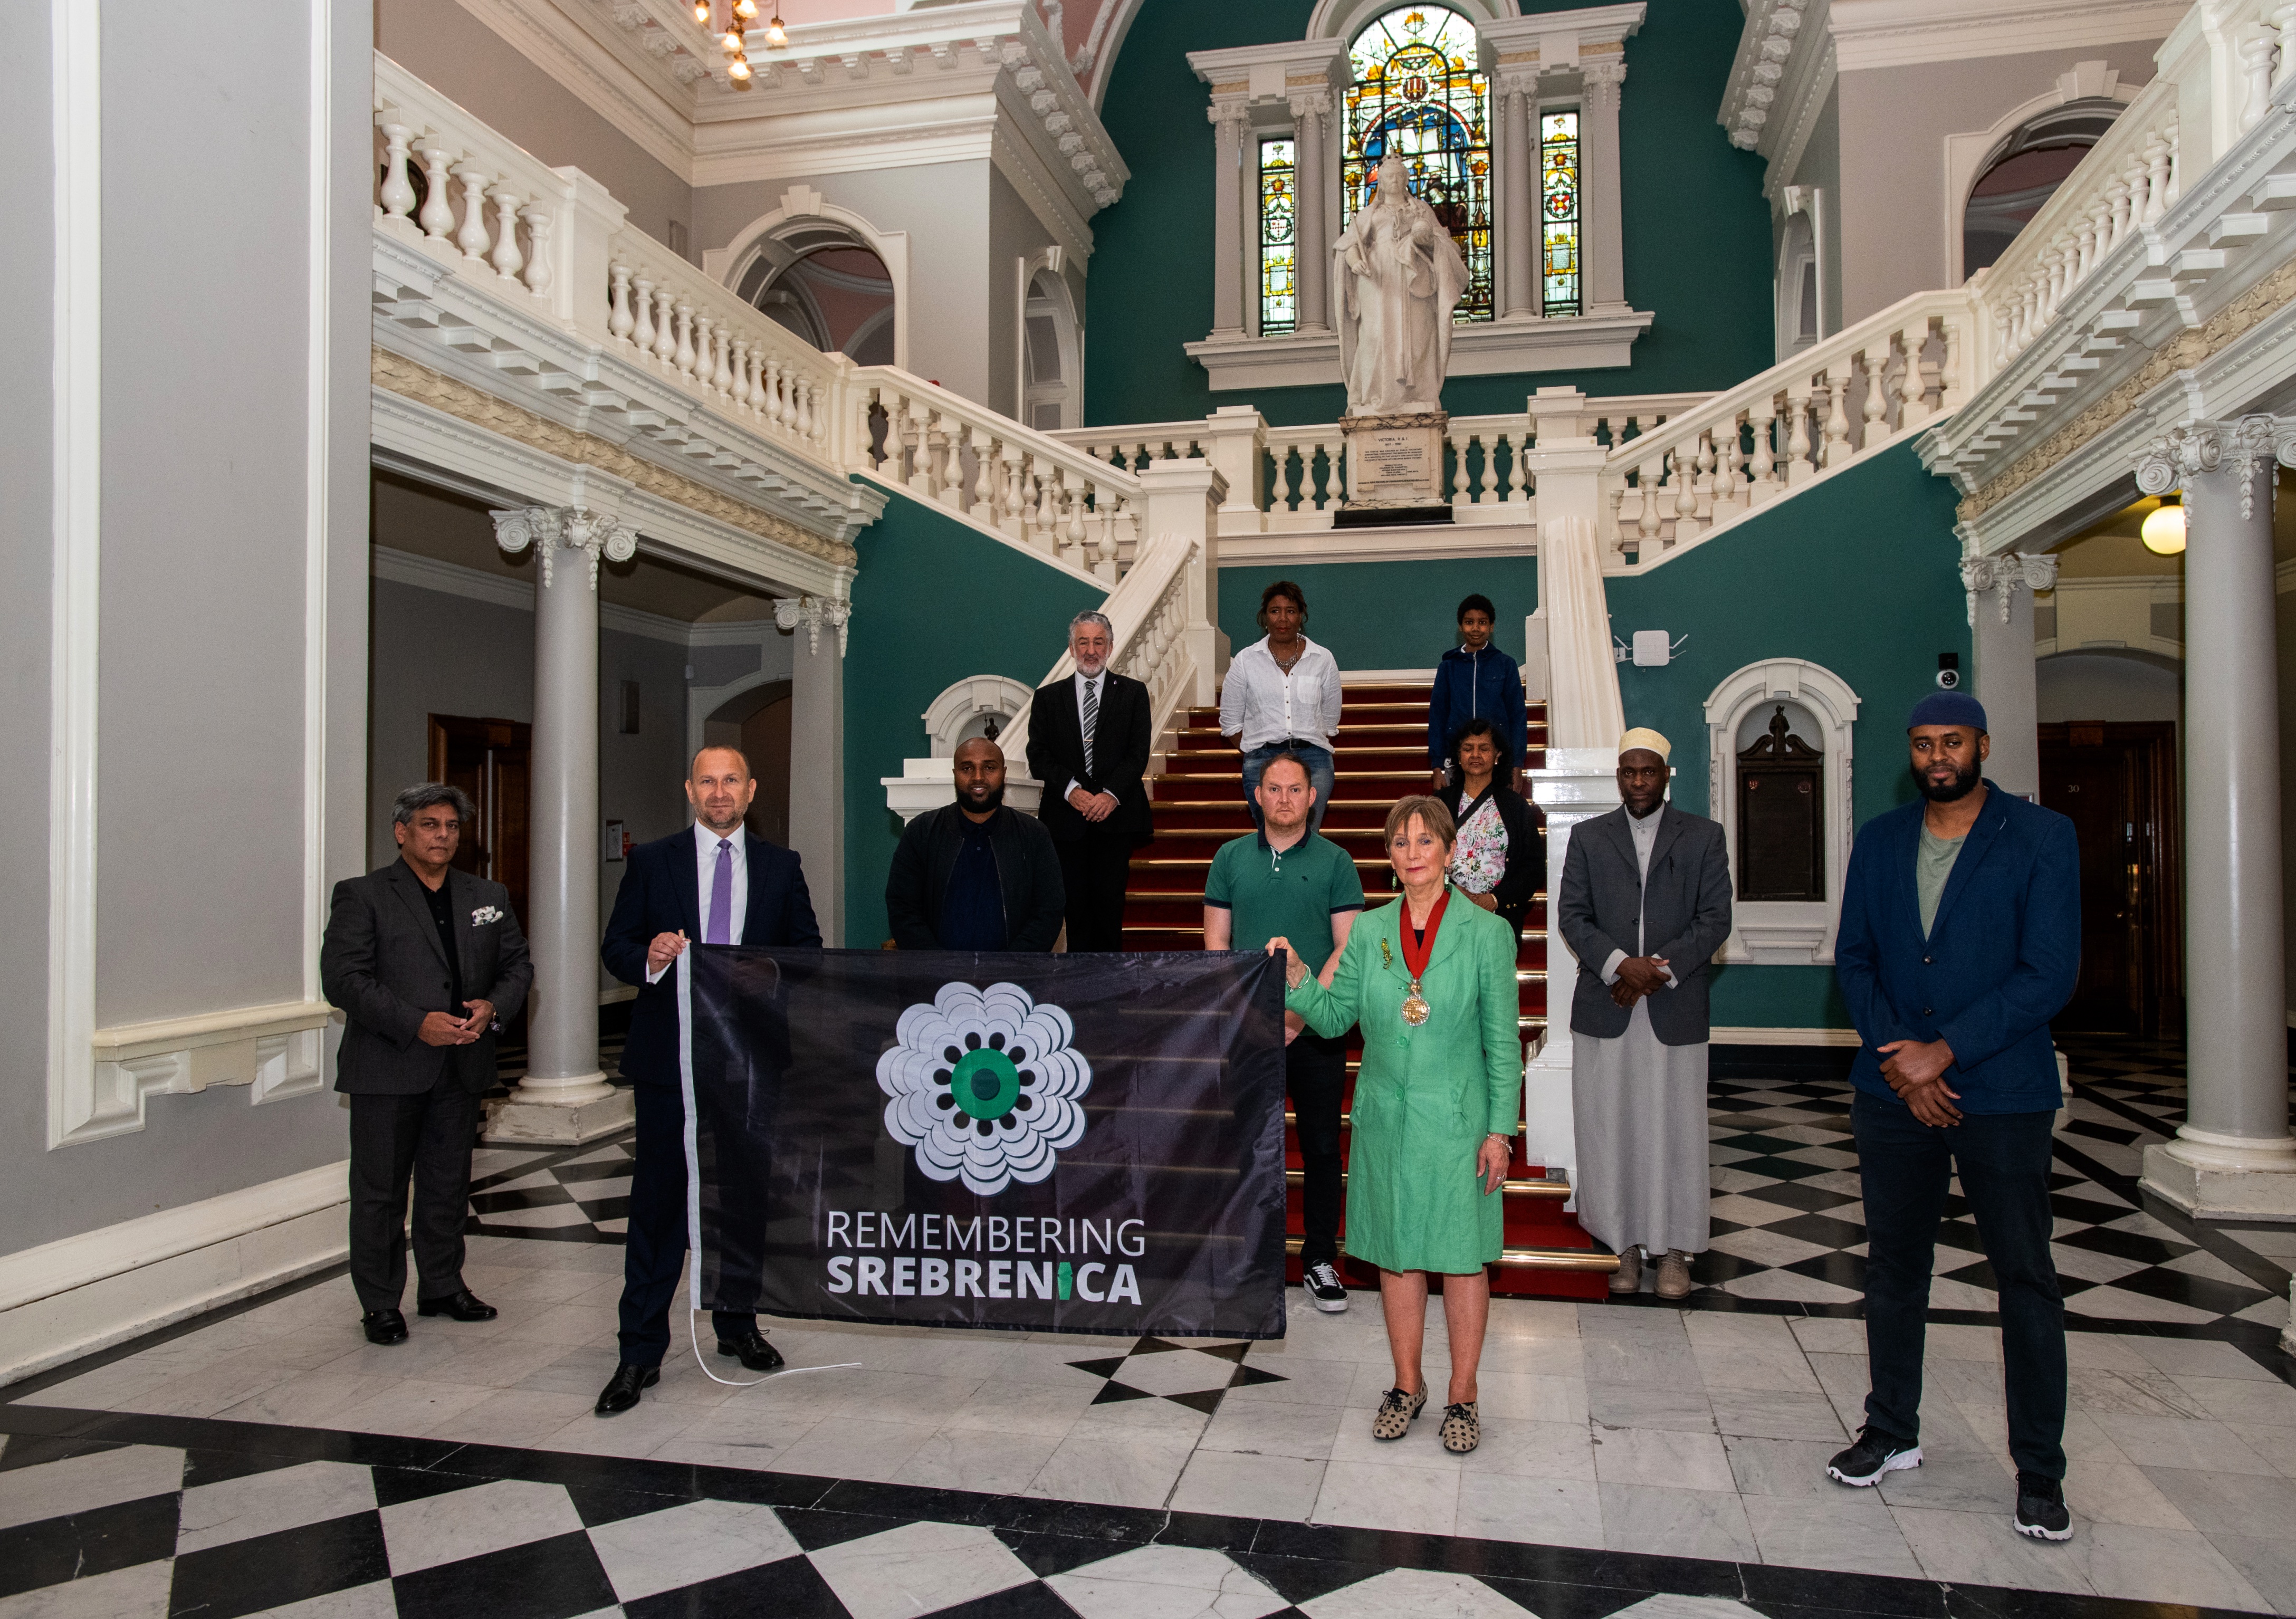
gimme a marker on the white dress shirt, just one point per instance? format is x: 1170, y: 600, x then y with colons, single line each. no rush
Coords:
x: 1268, y: 704
x: 1079, y: 683
x: 705, y: 870
x: 1643, y: 830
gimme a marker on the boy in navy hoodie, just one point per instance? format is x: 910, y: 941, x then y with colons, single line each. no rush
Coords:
x: 1475, y: 681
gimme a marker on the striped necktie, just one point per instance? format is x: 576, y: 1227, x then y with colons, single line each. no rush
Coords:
x: 1091, y: 717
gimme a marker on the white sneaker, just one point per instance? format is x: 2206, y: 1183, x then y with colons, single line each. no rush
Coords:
x: 1324, y: 1289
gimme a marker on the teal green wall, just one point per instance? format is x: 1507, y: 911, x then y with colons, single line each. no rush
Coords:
x: 934, y: 602
x: 1857, y: 574
x: 1386, y: 615
x: 1696, y: 228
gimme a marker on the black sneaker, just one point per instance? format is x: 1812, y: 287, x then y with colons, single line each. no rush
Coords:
x: 2041, y: 1508
x: 1322, y: 1281
x: 1874, y: 1454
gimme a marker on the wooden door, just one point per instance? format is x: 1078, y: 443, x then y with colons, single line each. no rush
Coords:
x: 493, y: 761
x: 2118, y: 784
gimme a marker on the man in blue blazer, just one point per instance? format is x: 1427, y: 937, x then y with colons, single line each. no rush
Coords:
x: 715, y: 883
x: 1960, y: 939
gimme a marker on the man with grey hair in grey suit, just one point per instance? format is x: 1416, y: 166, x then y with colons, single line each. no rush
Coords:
x: 1644, y: 905
x: 425, y: 961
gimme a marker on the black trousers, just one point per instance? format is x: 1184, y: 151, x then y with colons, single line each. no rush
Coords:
x: 1095, y: 870
x: 425, y: 1137
x: 2003, y: 1159
x: 653, y: 1252
x: 1314, y: 1076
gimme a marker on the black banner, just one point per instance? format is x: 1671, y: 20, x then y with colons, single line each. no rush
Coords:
x: 1078, y: 1143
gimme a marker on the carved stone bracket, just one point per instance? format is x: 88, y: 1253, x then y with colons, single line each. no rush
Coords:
x: 2189, y: 451
x: 813, y: 612
x: 2004, y: 574
x: 552, y: 528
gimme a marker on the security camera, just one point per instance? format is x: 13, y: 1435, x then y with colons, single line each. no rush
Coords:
x: 1948, y: 680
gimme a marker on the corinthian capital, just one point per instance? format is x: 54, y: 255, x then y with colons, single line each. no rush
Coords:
x: 1609, y: 74
x: 2003, y: 574
x: 814, y: 612
x: 2192, y: 449
x: 1311, y: 103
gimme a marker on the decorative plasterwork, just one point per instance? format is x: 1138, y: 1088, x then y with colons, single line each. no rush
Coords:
x: 2001, y: 574
x: 2196, y: 307
x: 459, y: 399
x: 1902, y: 33
x: 2190, y: 449
x: 1478, y: 348
x: 550, y: 529
x: 814, y: 612
x: 274, y: 1051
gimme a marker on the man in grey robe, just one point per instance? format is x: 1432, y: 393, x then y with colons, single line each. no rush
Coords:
x: 1645, y: 904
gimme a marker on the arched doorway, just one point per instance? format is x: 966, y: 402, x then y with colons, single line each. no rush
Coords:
x: 822, y: 282
x: 1052, y: 359
x: 2023, y: 171
x: 758, y: 721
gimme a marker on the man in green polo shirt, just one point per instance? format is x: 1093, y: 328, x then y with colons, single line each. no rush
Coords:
x: 1286, y: 880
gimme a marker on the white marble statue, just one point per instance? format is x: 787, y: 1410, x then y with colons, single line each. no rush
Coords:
x: 1395, y: 276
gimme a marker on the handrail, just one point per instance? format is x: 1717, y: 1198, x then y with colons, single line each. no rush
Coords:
x: 1034, y: 489
x: 1149, y: 616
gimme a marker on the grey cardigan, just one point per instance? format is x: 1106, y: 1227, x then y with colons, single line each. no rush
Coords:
x: 1686, y: 915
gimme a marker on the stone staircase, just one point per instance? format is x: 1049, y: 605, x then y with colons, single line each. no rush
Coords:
x: 1380, y: 756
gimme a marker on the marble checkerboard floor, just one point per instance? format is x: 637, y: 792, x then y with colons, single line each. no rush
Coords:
x: 1636, y: 1458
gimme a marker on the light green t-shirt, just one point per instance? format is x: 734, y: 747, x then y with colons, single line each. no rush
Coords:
x: 1932, y: 867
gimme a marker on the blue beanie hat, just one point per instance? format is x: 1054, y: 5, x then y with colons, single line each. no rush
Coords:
x: 1947, y: 709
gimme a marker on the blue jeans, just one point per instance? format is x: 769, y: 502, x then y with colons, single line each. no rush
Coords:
x: 2003, y: 1159
x: 1319, y: 777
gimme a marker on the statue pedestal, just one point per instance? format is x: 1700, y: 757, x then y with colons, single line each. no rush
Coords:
x: 1395, y: 470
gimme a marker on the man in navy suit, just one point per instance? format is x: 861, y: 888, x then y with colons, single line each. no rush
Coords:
x: 1960, y: 939
x: 717, y: 883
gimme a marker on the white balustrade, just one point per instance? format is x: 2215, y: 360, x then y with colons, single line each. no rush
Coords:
x: 1074, y: 504
x: 1849, y: 395
x: 447, y: 181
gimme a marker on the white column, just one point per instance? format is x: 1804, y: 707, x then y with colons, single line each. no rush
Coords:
x: 2233, y: 1156
x: 1601, y: 199
x: 565, y: 1096
x: 1520, y: 238
x: 1311, y: 139
x: 2000, y: 591
x: 817, y: 753
x: 1227, y: 223
x: 1576, y: 784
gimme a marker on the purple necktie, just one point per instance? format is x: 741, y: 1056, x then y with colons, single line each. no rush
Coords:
x: 721, y: 897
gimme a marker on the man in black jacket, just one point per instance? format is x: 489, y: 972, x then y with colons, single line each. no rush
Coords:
x: 714, y: 883
x: 974, y: 875
x: 425, y: 961
x: 1088, y: 744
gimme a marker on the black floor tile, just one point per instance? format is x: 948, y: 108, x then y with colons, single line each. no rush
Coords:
x: 273, y: 1570
x: 791, y: 1588
x: 96, y: 1542
x: 1030, y: 1602
x: 1810, y: 1199
x: 553, y: 1579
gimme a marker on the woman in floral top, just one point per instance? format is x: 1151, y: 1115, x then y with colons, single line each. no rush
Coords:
x: 1500, y: 859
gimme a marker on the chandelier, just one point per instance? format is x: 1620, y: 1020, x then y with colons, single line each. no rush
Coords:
x: 741, y: 21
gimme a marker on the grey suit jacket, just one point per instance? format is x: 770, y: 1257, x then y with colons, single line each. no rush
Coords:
x: 381, y: 962
x: 1686, y: 916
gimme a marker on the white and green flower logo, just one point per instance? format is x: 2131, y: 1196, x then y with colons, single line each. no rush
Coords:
x: 984, y: 1085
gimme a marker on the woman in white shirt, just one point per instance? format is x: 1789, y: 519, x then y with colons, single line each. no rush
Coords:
x: 1282, y: 695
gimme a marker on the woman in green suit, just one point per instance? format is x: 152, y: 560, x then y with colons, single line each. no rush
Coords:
x: 1431, y: 982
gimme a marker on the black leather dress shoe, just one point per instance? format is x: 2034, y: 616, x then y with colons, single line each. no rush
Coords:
x: 384, y: 1326
x: 622, y: 1391
x: 464, y: 1306
x: 753, y: 1350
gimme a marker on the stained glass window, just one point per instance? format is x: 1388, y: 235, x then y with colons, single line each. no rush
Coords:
x: 1279, y: 249
x: 1418, y: 92
x: 1558, y: 208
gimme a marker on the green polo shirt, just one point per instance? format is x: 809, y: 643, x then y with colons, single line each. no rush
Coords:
x: 1292, y: 894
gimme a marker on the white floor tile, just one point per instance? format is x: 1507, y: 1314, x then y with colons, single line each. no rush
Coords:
x: 1677, y: 1522
x: 1413, y: 1593
x: 917, y: 1568
x: 140, y: 1593
x: 1241, y: 1485
x: 1165, y: 1583
x: 1368, y: 1495
x: 83, y: 1483
x: 684, y: 1545
x: 464, y: 1523
x: 263, y: 1503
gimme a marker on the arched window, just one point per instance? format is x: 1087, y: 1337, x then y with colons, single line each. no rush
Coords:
x: 1052, y: 368
x: 2023, y: 172
x: 820, y: 281
x: 1418, y: 92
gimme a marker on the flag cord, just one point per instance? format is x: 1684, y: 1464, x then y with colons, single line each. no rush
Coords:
x: 693, y: 1336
